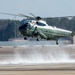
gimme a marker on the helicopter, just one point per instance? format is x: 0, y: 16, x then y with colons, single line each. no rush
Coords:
x: 37, y: 27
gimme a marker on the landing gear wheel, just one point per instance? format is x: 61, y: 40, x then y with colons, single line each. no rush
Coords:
x: 57, y: 43
x: 25, y: 38
x: 37, y: 39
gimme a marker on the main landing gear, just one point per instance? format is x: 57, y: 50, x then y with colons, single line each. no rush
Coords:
x: 38, y: 38
x: 57, y: 42
x: 25, y: 38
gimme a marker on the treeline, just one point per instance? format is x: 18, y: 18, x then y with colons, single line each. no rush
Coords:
x: 62, y: 22
x: 9, y: 28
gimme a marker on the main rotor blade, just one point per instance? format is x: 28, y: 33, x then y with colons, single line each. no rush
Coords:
x: 33, y: 15
x: 26, y: 16
x: 19, y: 15
x: 10, y: 14
x: 36, y: 17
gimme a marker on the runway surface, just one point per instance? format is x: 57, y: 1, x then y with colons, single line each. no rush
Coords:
x: 54, y: 69
x: 49, y: 69
x: 37, y: 60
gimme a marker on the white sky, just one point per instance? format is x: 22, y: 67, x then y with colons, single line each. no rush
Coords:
x: 43, y: 8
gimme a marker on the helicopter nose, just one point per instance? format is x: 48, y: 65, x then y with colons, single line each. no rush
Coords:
x: 21, y: 27
x: 24, y: 27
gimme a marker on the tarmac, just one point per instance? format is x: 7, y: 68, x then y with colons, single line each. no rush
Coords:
x: 38, y: 59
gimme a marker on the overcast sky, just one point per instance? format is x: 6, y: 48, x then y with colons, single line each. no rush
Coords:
x: 43, y: 8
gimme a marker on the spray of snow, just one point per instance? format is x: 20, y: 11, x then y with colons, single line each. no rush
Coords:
x: 27, y: 55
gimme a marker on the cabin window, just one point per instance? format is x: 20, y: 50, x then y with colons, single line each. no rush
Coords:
x: 40, y: 24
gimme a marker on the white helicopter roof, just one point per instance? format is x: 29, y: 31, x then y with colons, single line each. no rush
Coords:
x: 44, y: 22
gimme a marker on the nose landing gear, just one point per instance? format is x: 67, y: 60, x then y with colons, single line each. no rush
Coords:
x: 25, y: 38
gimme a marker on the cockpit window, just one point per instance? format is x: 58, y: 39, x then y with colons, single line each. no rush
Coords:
x: 25, y: 22
x: 40, y: 24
